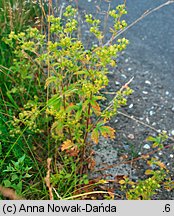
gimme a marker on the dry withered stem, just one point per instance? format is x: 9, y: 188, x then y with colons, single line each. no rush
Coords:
x: 47, y: 179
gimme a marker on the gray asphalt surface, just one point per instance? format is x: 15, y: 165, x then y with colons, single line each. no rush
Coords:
x: 151, y: 40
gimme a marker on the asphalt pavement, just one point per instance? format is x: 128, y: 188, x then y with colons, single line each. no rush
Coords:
x: 151, y: 39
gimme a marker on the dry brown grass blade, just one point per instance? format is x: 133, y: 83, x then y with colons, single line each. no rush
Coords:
x: 9, y: 193
x: 47, y: 179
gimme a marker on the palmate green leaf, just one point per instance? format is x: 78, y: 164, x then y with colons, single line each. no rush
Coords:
x: 107, y: 131
x: 95, y: 107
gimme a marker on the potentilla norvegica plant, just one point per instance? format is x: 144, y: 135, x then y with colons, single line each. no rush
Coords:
x: 74, y: 79
x: 17, y: 15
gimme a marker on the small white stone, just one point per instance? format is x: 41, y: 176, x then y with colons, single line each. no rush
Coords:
x: 129, y: 69
x: 89, y: 0
x: 144, y: 37
x: 117, y: 83
x: 124, y: 76
x: 146, y: 72
x: 172, y: 132
x: 160, y: 153
x: 148, y: 121
x: 168, y: 164
x: 148, y: 82
x: 151, y: 113
x: 131, y: 136
x: 171, y: 155
x: 145, y: 92
x: 173, y: 109
x: 167, y: 93
x: 130, y: 106
x: 139, y: 153
x: 126, y: 60
x: 146, y: 146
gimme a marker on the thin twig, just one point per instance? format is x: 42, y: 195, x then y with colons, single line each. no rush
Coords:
x: 141, y: 122
x: 144, y: 156
x: 122, y: 88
